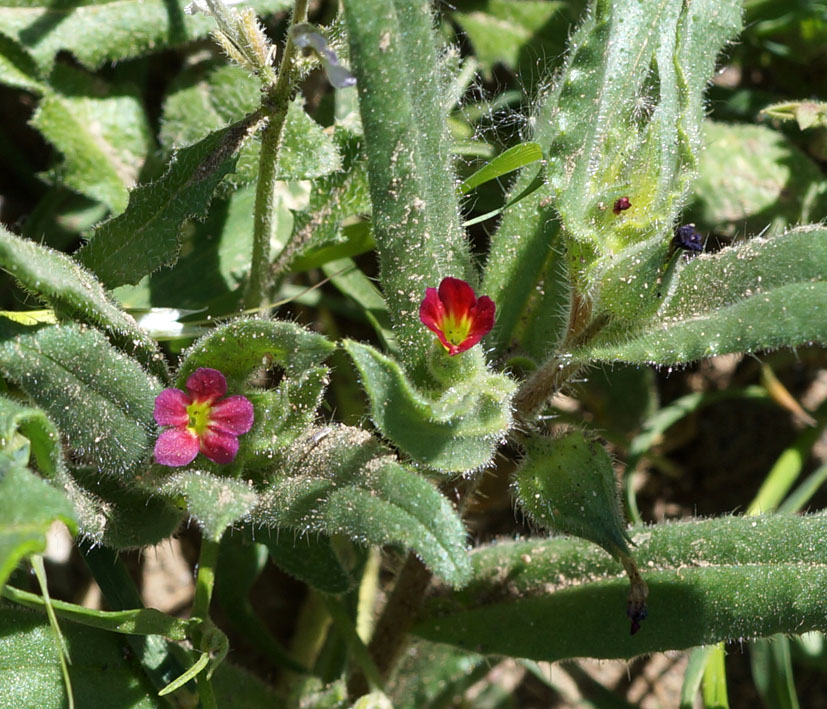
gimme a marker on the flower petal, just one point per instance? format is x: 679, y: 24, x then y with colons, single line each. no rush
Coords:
x: 176, y: 447
x: 206, y: 384
x: 219, y: 447
x: 482, y: 318
x: 431, y: 311
x: 457, y: 297
x: 233, y: 415
x: 171, y: 408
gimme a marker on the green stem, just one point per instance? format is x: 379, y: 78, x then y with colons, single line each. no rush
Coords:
x: 277, y: 102
x: 391, y: 635
x: 205, y: 692
x: 62, y: 650
x: 205, y: 580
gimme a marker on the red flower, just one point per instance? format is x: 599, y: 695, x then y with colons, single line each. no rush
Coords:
x: 459, y: 319
x: 200, y: 421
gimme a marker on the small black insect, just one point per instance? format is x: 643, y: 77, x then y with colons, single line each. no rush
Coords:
x: 688, y: 239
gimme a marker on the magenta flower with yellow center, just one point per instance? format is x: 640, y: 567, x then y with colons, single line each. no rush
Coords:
x: 459, y: 319
x: 201, y: 420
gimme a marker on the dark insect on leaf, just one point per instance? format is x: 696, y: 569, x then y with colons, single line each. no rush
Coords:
x: 688, y: 239
x: 621, y: 205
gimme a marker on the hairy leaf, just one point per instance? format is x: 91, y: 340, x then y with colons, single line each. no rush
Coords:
x: 761, y: 294
x: 27, y: 433
x: 147, y: 235
x: 457, y: 432
x: 241, y: 347
x: 118, y: 512
x: 568, y: 485
x: 101, y: 400
x: 311, y: 559
x: 213, y: 502
x: 713, y: 580
x: 339, y: 480
x: 17, y: 67
x: 75, y: 293
x: 282, y: 416
x: 415, y: 213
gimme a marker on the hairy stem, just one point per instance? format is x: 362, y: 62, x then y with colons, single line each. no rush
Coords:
x: 541, y: 386
x: 277, y: 102
x: 205, y: 580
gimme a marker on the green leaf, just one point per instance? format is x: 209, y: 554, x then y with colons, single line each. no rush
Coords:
x: 17, y: 67
x: 311, y: 559
x: 772, y: 672
x: 629, y: 116
x: 244, y: 346
x: 512, y: 159
x: 139, y: 621
x: 25, y: 431
x: 215, y: 503
x: 753, y: 179
x: 120, y: 513
x: 227, y: 95
x: 622, y: 119
x: 99, y: 31
x: 30, y: 671
x: 723, y: 579
x: 455, y: 433
x: 104, y: 139
x: 28, y: 506
x: 72, y: 291
x: 147, y: 235
x: 761, y: 294
x: 568, y: 485
x: 339, y: 480
x: 418, y: 236
x: 101, y: 400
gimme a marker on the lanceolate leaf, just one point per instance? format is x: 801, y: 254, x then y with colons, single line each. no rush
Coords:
x: 98, y: 31
x: 146, y: 236
x: 762, y: 294
x: 74, y: 292
x: 100, y: 399
x: 455, y: 433
x: 723, y: 579
x: 415, y: 212
x: 339, y: 480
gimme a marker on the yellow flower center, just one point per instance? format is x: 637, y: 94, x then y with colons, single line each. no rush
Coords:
x: 456, y: 330
x: 199, y: 415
